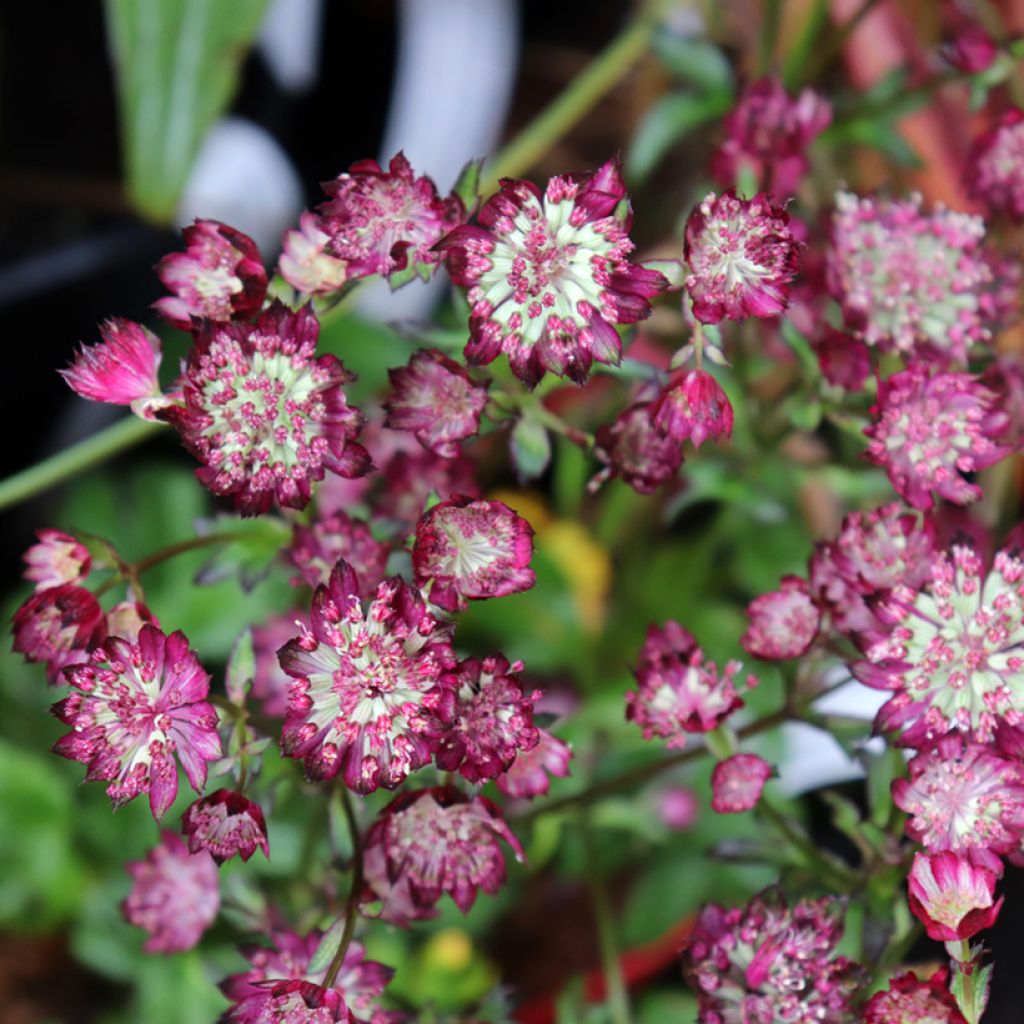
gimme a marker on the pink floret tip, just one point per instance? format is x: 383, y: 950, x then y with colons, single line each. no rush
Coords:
x: 56, y: 559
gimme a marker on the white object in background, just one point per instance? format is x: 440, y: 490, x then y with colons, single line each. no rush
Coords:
x: 289, y: 40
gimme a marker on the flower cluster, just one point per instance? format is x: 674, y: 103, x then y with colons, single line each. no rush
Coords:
x: 910, y: 1000
x: 783, y: 623
x: 693, y: 407
x: 994, y: 167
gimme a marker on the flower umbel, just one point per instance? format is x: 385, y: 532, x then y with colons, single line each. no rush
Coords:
x: 994, y: 167
x: 738, y: 782
x: 693, y: 408
x: 911, y: 1000
x: 633, y: 448
x: 782, y: 624
x: 225, y: 823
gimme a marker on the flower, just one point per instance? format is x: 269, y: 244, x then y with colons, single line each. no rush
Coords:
x: 469, y: 550
x: 263, y: 414
x: 57, y: 559
x: 953, y: 656
x: 679, y: 691
x: 783, y: 623
x: 492, y: 720
x: 59, y: 626
x: 220, y: 276
x: 994, y: 166
x: 291, y: 1002
x: 741, y: 256
x: 951, y: 897
x: 174, y: 896
x: 548, y: 275
x: 369, y: 699
x: 767, y: 962
x: 527, y: 776
x: 410, y: 479
x: 911, y: 1000
x: 435, y: 399
x: 270, y: 682
x: 677, y: 808
x: 971, y: 49
x: 126, y: 619
x: 768, y: 133
x: 138, y: 705
x: 738, y: 782
x: 693, y: 407
x: 315, y: 549
x: 914, y: 281
x: 633, y: 448
x: 964, y: 797
x: 929, y: 429
x: 305, y: 262
x: 844, y: 360
x: 379, y: 221
x: 121, y: 369
x: 430, y: 842
x: 225, y: 823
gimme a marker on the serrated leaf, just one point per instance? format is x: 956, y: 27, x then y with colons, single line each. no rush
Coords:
x: 241, y: 667
x: 467, y: 185
x: 971, y: 991
x: 530, y: 447
x: 670, y: 120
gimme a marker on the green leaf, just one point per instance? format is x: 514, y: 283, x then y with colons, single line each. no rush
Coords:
x: 176, y: 64
x: 670, y: 120
x: 530, y: 448
x: 241, y: 667
x: 697, y: 62
x: 467, y: 185
x: 255, y: 545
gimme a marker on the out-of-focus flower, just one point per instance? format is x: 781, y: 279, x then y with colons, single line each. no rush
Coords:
x: 994, y: 171
x: 911, y: 1000
x: 738, y: 782
x: 931, y: 428
x: 1004, y: 377
x: 741, y: 257
x: 174, y: 896
x: 677, y: 808
x: 411, y: 479
x: 782, y: 624
x: 292, y: 1002
x: 305, y: 262
x: 844, y: 360
x: 134, y: 708
x: 693, y: 407
x: 59, y: 626
x: 270, y: 682
x: 317, y: 547
x: 225, y: 823
x: 953, y: 898
x: 57, y: 559
x: 264, y: 414
x: 972, y: 49
x: 435, y: 841
x: 219, y: 276
x: 548, y: 275
x: 126, y: 619
x: 633, y: 448
x: 370, y: 698
x: 434, y: 398
x: 529, y: 774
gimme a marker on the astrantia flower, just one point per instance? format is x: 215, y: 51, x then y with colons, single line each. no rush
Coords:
x: 953, y: 898
x: 126, y: 619
x: 469, y: 550
x: 411, y: 479
x: 908, y: 279
x: 174, y: 896
x: 219, y: 276
x: 738, y: 782
x: 316, y: 548
x: 270, y: 682
x: 548, y: 275
x: 633, y: 448
x: 844, y: 360
x: 971, y: 49
x: 768, y: 963
x: 225, y: 823
x: 768, y: 133
x: 291, y: 1002
x: 528, y: 776
x: 931, y: 428
x: 679, y: 691
x: 994, y: 171
x: 379, y: 221
x: 304, y: 261
x: 435, y: 841
x: 693, y: 407
x: 783, y: 623
x: 59, y: 626
x: 741, y: 256
x: 369, y: 699
x: 911, y: 1000
x: 264, y: 414
x: 137, y: 706
x: 964, y: 797
x: 434, y: 398
x: 493, y: 719
x: 57, y: 559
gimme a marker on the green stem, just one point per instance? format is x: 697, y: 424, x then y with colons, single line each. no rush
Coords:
x: 352, y: 906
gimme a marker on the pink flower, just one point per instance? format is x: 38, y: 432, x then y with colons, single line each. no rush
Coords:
x: 263, y: 414
x: 527, y: 776
x: 305, y: 262
x: 783, y: 623
x: 469, y: 550
x: 741, y: 256
x: 910, y: 1000
x: 126, y: 619
x: 693, y: 407
x: 767, y: 962
x: 121, y: 369
x: 768, y: 133
x: 59, y: 626
x: 971, y: 49
x: 379, y: 221
x: 492, y: 721
x: 549, y: 275
x: 219, y: 277
x: 430, y: 842
x: 931, y: 428
x: 678, y: 690
x: 292, y: 1002
x: 137, y: 706
x: 225, y: 823
x: 411, y: 479
x: 270, y: 683
x: 677, y: 808
x: 738, y: 782
x: 315, y: 549
x: 369, y: 699
x: 57, y: 559
x: 951, y: 897
x: 174, y: 896
x: 634, y: 449
x: 994, y: 173
x: 844, y: 359
x: 434, y: 398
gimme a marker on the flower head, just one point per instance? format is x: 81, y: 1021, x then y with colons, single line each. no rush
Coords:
x: 263, y: 414
x: 134, y: 707
x: 57, y: 559
x: 528, y: 775
x: 633, y: 448
x: 225, y: 823
x: 741, y: 256
x: 59, y: 626
x: 410, y: 479
x: 435, y: 841
x: 738, y: 782
x: 994, y: 172
x: 174, y: 896
x: 219, y: 276
x: 548, y: 275
x: 953, y: 898
x: 693, y: 407
x: 679, y: 691
x: 911, y: 1000
x: 305, y: 262
x: 369, y: 699
x: 931, y: 428
x: 971, y: 49
x: 291, y: 1002
x: 316, y: 548
x: 767, y: 962
x: 782, y: 624
x: 434, y: 398
x: 844, y: 360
